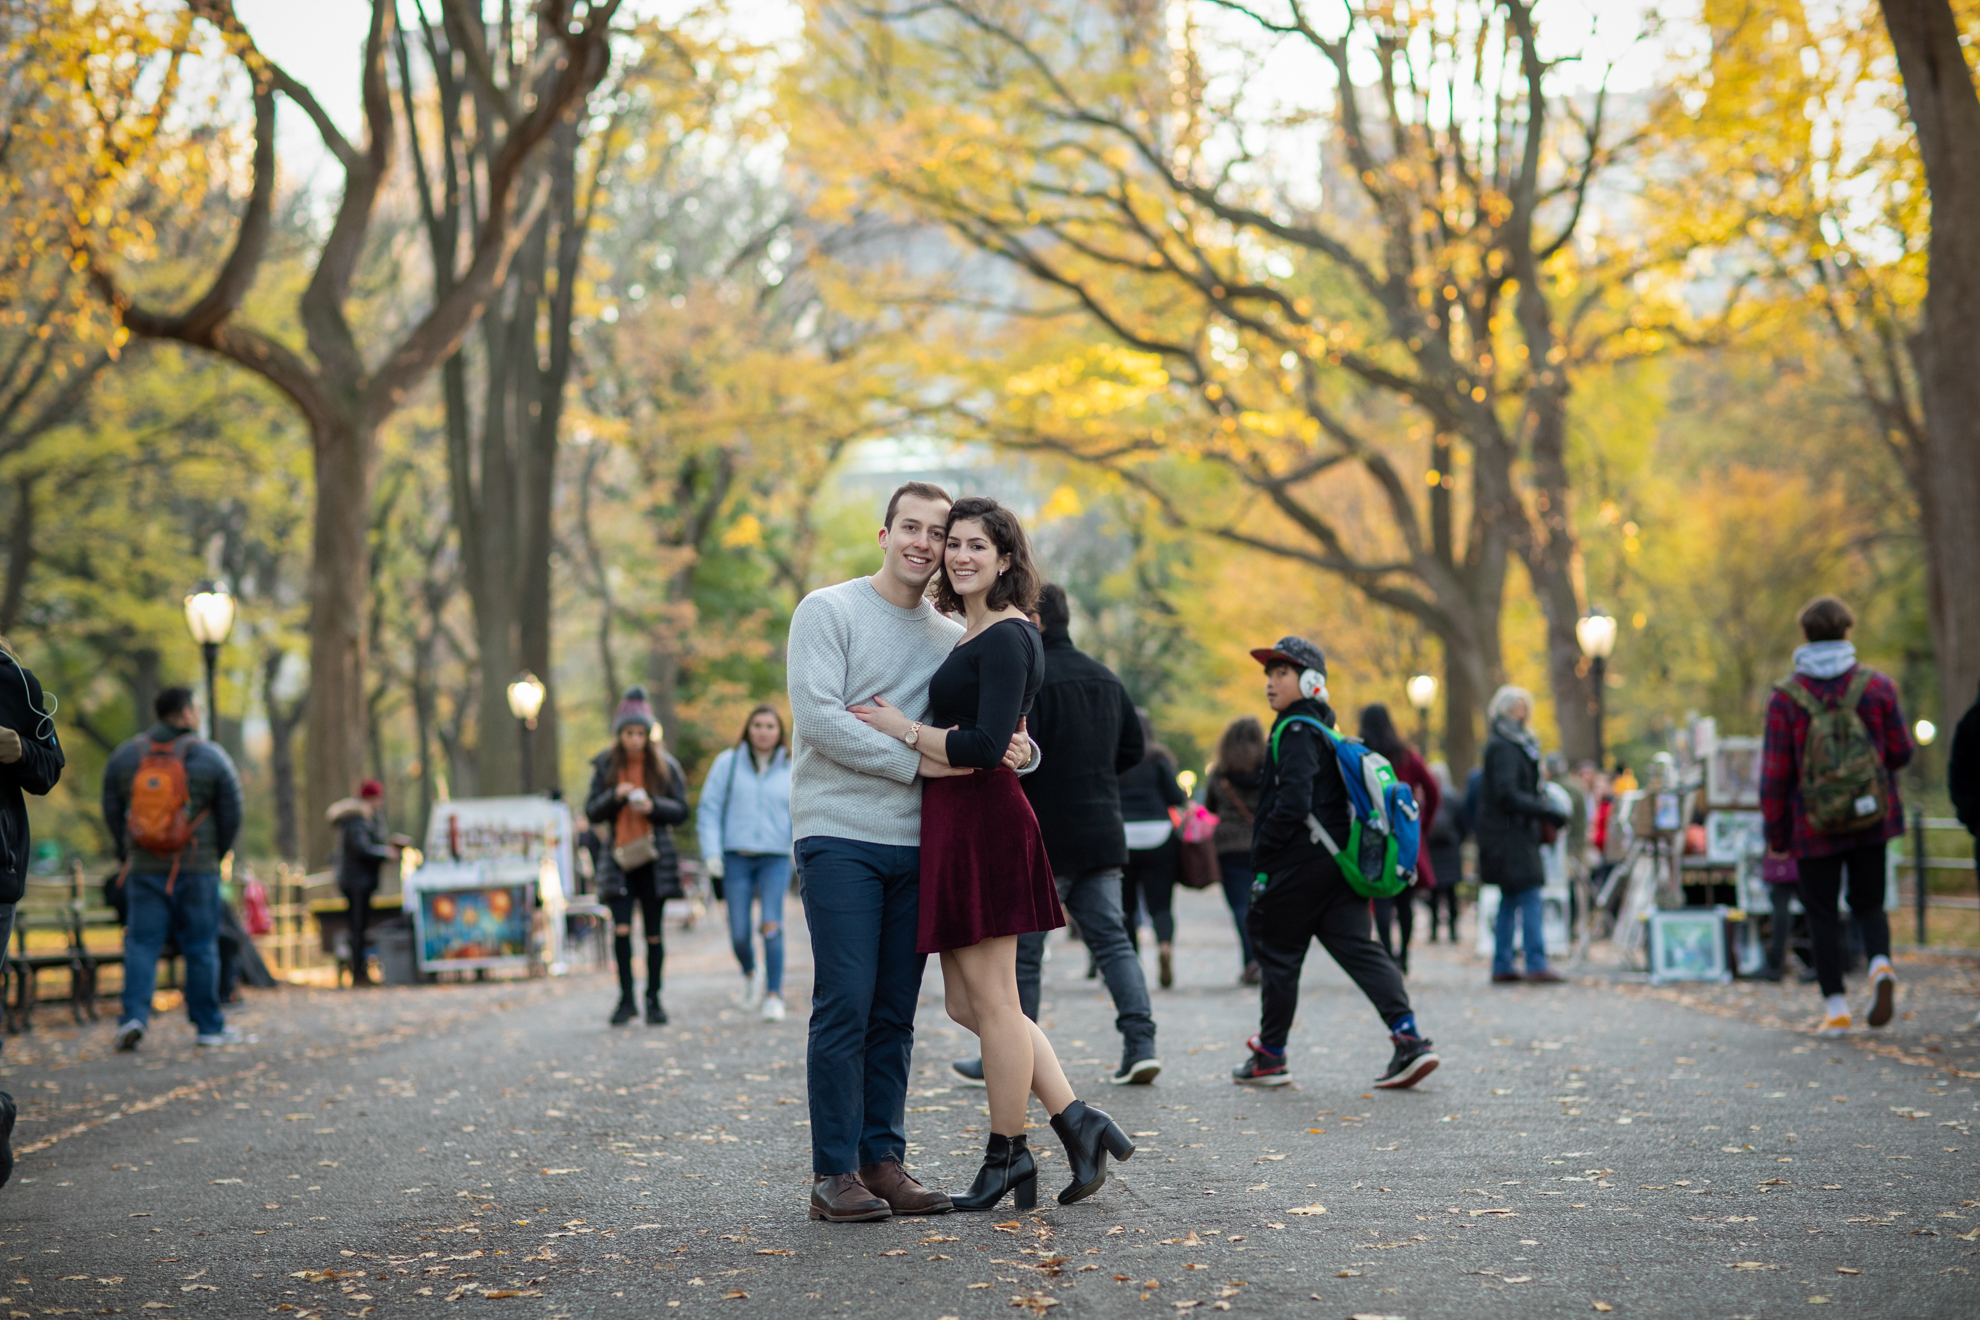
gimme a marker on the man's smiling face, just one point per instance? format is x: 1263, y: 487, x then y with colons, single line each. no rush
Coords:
x: 913, y: 545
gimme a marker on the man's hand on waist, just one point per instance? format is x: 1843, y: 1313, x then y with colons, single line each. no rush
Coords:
x: 1021, y: 750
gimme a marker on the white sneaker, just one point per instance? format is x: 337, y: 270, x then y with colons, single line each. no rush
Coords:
x: 224, y: 1036
x: 756, y: 986
x: 773, y: 1008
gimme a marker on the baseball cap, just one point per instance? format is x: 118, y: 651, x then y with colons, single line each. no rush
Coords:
x: 1294, y: 651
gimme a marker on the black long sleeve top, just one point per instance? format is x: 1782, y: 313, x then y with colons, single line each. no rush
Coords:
x: 1302, y: 779
x: 984, y: 688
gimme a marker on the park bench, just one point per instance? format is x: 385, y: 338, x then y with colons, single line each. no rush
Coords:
x: 53, y: 925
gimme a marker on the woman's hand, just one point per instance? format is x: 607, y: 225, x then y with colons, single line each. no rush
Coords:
x: 622, y: 792
x: 884, y: 716
x: 1018, y: 755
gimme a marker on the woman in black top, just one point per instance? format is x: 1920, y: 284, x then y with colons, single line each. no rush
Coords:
x: 985, y: 878
x: 1230, y: 793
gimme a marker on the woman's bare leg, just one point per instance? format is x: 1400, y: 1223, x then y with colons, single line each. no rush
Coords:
x: 1048, y: 1079
x: 955, y: 995
x: 989, y: 972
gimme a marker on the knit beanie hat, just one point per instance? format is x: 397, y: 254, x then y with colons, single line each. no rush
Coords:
x: 634, y: 708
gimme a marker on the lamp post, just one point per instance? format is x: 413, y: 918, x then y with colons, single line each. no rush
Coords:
x: 1423, y: 695
x: 525, y: 700
x: 210, y: 617
x: 1596, y: 632
x: 1924, y: 731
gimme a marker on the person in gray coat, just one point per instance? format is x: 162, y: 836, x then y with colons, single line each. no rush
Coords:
x: 1513, y: 816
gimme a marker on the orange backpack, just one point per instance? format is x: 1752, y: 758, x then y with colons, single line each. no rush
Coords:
x: 156, y: 819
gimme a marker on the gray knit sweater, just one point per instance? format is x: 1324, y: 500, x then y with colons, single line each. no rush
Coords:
x: 847, y: 646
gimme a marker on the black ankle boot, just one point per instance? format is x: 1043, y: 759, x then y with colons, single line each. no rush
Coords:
x: 1089, y: 1136
x: 656, y: 1016
x: 1007, y: 1167
x: 625, y: 1012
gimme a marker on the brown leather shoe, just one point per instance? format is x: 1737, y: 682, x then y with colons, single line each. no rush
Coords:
x: 842, y: 1199
x: 899, y: 1189
x: 1547, y: 976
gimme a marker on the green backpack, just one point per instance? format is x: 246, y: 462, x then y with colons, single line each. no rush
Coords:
x: 1844, y: 787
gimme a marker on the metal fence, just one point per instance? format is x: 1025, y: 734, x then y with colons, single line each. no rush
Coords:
x: 1923, y: 828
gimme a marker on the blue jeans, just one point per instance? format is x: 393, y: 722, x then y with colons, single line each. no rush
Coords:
x: 1093, y: 899
x: 862, y: 902
x: 764, y: 877
x: 1527, y: 906
x: 1237, y: 876
x: 190, y: 914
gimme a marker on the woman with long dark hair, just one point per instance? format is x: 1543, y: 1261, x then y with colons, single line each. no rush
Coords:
x: 1230, y: 792
x: 638, y: 794
x: 985, y: 877
x: 1378, y: 731
x: 744, y: 820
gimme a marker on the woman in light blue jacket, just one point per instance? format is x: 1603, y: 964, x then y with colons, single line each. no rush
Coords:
x: 744, y: 820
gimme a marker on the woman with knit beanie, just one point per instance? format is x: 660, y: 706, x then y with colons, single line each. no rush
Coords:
x: 638, y: 794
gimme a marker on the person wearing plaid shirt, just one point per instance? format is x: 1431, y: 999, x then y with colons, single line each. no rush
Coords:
x: 1825, y: 668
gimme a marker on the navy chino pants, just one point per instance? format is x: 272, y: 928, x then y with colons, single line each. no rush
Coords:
x: 863, y: 903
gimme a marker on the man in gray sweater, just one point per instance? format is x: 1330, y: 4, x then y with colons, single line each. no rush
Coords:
x: 175, y: 893
x: 856, y: 816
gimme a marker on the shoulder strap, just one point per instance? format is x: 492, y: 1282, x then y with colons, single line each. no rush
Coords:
x: 1791, y: 688
x: 1858, y: 684
x: 729, y: 792
x: 1286, y: 724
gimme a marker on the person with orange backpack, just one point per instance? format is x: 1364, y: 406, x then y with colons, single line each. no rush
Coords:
x: 1834, y: 743
x: 172, y: 802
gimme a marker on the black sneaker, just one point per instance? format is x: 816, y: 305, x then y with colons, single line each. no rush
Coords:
x: 1139, y: 1067
x: 1262, y: 1069
x: 625, y: 1012
x: 1414, y: 1061
x: 970, y: 1070
x: 6, y: 1137
x: 656, y: 1016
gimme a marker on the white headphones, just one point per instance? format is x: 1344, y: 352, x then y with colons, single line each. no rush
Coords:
x: 1312, y: 685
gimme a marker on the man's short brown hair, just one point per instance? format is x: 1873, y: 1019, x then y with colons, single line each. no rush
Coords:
x: 921, y: 490
x: 1826, y: 619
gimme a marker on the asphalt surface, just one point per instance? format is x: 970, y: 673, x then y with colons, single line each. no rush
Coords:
x: 498, y: 1149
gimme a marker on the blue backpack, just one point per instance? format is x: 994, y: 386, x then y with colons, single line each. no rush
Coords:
x: 1379, y: 859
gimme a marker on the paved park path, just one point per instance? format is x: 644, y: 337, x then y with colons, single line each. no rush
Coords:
x: 497, y: 1150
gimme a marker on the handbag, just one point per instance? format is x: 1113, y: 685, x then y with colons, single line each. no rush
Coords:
x: 1199, y: 868
x: 260, y: 919
x: 635, y: 853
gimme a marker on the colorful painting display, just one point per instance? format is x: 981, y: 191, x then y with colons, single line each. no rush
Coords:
x: 474, y: 926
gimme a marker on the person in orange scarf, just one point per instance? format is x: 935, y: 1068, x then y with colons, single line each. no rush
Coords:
x: 638, y: 794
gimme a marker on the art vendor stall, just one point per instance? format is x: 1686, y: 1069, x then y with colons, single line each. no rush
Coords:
x: 493, y: 892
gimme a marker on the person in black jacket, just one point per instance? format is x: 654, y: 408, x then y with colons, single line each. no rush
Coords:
x: 1512, y: 813
x: 1300, y: 893
x: 1084, y: 715
x: 1149, y: 793
x: 1963, y: 779
x: 30, y: 760
x: 638, y: 794
x: 363, y: 847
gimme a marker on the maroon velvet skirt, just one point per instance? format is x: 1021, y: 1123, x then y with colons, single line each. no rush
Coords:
x: 984, y: 872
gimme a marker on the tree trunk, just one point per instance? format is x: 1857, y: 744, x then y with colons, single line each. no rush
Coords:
x: 282, y: 754
x: 1946, y: 114
x: 346, y: 467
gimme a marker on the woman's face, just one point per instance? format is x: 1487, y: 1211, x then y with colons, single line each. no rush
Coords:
x: 765, y: 731
x: 1520, y: 712
x: 633, y: 739
x: 971, y: 559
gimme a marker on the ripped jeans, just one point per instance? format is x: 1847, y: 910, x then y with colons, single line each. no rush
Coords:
x: 763, y: 877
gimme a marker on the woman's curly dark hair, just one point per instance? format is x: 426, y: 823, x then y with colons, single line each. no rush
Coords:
x: 1019, y: 584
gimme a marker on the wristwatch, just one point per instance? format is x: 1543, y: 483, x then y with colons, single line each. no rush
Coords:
x: 913, y: 735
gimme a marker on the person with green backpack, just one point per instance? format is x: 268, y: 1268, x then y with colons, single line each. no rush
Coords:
x: 1835, y: 740
x: 1321, y: 848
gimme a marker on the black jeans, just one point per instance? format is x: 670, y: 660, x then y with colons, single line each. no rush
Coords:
x: 1821, y: 885
x: 640, y: 890
x: 359, y: 918
x: 1402, y: 908
x: 1297, y: 907
x: 1151, y: 877
x: 1781, y: 926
